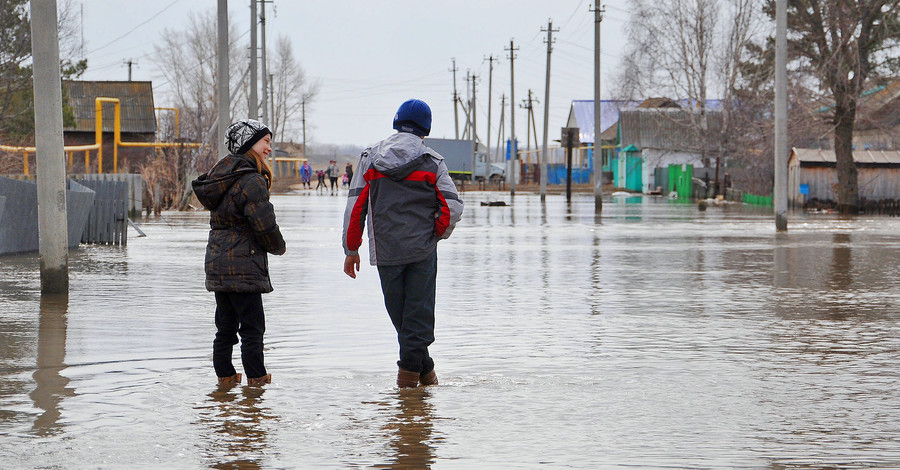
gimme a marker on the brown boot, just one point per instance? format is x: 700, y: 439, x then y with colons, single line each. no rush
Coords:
x: 260, y: 381
x: 407, y: 378
x: 230, y: 381
x: 428, y: 379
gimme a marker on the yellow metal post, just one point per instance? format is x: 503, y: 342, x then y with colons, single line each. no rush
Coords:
x: 98, y: 133
x: 25, y: 159
x: 118, y: 137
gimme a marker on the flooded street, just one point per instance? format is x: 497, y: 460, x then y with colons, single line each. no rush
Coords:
x: 656, y: 336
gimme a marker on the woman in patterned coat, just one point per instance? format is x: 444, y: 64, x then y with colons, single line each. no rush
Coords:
x: 242, y: 232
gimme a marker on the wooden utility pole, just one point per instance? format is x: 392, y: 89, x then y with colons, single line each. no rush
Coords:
x: 473, y: 115
x: 222, y: 86
x: 500, y: 133
x: 597, y: 151
x: 526, y: 105
x: 781, y: 148
x: 262, y: 52
x: 544, y: 156
x: 455, y: 99
x: 254, y: 99
x: 514, y: 150
x: 130, y: 63
x: 303, y: 121
x: 487, y: 171
x: 53, y: 231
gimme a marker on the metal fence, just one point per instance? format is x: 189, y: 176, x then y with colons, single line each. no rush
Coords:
x: 19, y: 214
x: 107, y: 223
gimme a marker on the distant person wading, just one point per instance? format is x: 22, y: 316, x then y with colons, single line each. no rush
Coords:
x: 333, y: 174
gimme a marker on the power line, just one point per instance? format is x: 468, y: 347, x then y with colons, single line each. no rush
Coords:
x: 136, y: 27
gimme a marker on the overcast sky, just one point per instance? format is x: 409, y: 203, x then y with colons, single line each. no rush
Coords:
x: 369, y: 55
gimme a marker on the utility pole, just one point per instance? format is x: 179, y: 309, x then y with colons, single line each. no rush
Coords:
x: 598, y: 144
x: 53, y: 230
x: 530, y: 128
x: 129, y: 63
x: 455, y: 99
x: 513, y: 150
x: 267, y: 117
x: 265, y: 76
x: 543, y: 165
x: 303, y: 120
x: 273, y: 125
x: 474, y: 128
x: 490, y: 59
x: 473, y: 115
x: 222, y: 86
x: 254, y: 87
x: 500, y: 132
x: 781, y: 116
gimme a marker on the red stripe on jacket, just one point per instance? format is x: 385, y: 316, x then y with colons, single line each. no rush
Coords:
x: 441, y: 223
x: 355, y: 228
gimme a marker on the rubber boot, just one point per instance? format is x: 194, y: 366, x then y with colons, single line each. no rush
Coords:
x: 260, y: 381
x: 428, y: 379
x: 407, y: 378
x: 230, y: 381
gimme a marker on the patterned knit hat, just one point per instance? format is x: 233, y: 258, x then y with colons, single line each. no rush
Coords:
x: 241, y: 135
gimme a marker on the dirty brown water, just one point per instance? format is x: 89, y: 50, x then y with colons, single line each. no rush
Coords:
x: 658, y: 336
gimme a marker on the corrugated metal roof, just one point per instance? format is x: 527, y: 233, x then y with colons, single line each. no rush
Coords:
x: 668, y: 128
x: 865, y: 157
x: 583, y: 110
x: 135, y: 99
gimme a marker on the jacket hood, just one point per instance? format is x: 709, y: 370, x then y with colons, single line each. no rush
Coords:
x: 212, y: 186
x: 399, y: 155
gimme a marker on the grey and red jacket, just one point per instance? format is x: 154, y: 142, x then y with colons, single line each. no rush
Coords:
x: 402, y: 194
x: 242, y: 226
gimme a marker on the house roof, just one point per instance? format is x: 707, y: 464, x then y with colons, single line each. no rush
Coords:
x: 135, y: 101
x: 863, y: 157
x: 673, y: 129
x: 583, y: 112
x: 880, y: 107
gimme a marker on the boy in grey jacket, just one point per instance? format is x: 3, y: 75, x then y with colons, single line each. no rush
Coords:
x: 402, y: 193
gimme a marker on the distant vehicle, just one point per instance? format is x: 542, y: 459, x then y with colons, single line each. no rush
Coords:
x: 458, y: 157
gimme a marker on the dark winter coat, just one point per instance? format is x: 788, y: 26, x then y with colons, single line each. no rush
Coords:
x: 242, y: 226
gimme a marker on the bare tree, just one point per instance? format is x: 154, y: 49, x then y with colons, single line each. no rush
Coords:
x: 691, y: 50
x: 837, y: 45
x: 290, y: 88
x: 187, y: 60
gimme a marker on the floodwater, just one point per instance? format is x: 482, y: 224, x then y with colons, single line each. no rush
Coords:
x: 657, y: 336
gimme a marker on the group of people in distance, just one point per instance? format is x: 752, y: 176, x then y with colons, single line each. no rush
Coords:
x: 402, y: 196
x: 333, y: 173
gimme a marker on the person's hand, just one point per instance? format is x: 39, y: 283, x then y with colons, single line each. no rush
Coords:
x: 351, y: 265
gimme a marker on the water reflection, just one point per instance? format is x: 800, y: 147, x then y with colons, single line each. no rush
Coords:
x: 236, y: 421
x: 51, y: 386
x: 409, y: 429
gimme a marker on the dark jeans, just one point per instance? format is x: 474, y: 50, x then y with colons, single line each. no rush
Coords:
x: 409, y: 298
x: 239, y: 313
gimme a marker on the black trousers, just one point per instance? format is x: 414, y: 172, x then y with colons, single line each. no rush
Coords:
x: 239, y: 313
x: 409, y: 298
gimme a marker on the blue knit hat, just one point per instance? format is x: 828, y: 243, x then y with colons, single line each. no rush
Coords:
x: 414, y: 116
